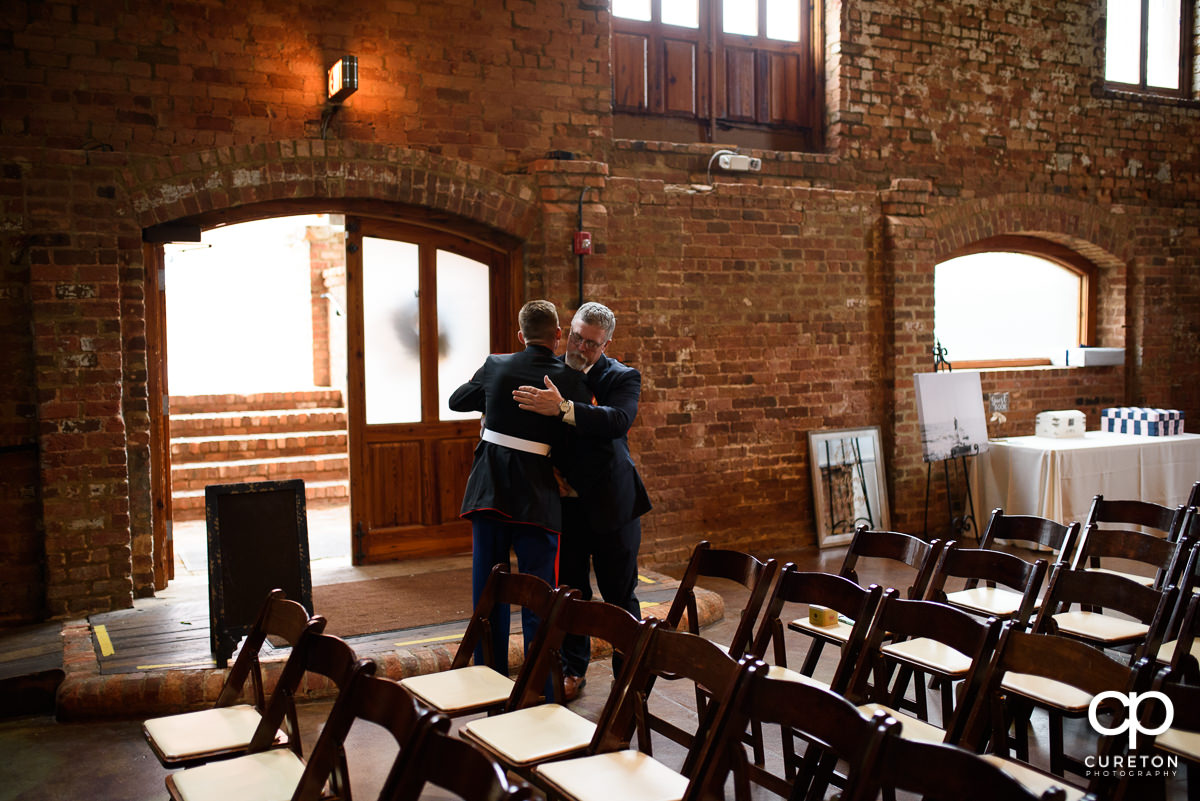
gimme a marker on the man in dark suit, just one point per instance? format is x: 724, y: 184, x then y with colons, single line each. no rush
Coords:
x: 601, y: 517
x: 512, y: 496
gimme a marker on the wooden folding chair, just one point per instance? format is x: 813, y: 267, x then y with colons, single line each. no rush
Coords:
x: 852, y: 607
x: 1113, y: 611
x: 454, y: 766
x: 919, y: 555
x: 1181, y: 647
x: 945, y: 771
x: 467, y: 688
x: 1033, y: 531
x: 610, y: 769
x: 1061, y: 676
x: 1181, y: 739
x: 1162, y: 520
x: 755, y: 575
x: 994, y: 583
x: 225, y: 730
x: 915, y: 638
x: 264, y: 772
x: 530, y: 734
x: 834, y: 726
x: 1148, y: 559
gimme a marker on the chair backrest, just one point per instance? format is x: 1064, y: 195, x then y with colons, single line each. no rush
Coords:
x: 1193, y: 496
x: 840, y: 594
x: 1163, y: 519
x: 604, y: 621
x: 278, y: 617
x: 1185, y: 703
x: 939, y: 770
x: 666, y: 653
x: 752, y: 573
x: 991, y: 567
x: 1158, y: 554
x: 899, y: 619
x: 322, y: 654
x: 918, y: 554
x: 1031, y: 528
x: 1112, y: 593
x: 502, y: 588
x: 1184, y: 633
x: 454, y: 765
x: 1070, y: 662
x: 814, y: 713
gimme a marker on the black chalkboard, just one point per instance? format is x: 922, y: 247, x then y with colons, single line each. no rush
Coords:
x: 257, y: 541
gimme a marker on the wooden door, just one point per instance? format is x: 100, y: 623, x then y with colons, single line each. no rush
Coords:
x: 425, y: 308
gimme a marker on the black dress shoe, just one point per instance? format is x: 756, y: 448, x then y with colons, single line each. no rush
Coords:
x: 572, y: 686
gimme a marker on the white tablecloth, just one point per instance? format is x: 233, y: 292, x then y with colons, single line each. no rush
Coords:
x: 1057, y: 478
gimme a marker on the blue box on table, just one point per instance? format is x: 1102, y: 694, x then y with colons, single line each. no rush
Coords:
x: 1142, y: 420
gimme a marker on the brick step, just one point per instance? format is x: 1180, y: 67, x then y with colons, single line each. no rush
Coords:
x: 315, y: 398
x: 231, y: 423
x: 317, y: 467
x: 189, y: 504
x: 185, y: 450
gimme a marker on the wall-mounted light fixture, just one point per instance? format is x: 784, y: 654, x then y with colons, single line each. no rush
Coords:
x: 343, y: 78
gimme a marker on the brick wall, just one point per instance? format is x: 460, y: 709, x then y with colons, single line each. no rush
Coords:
x: 758, y: 309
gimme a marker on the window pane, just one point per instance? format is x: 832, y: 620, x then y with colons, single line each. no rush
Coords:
x: 739, y: 16
x: 1005, y: 306
x: 1123, y: 41
x: 783, y: 20
x: 684, y: 13
x: 632, y: 9
x: 1162, y: 58
x: 464, y: 325
x: 391, y: 331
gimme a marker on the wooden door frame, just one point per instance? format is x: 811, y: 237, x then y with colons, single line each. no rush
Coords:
x: 505, y: 264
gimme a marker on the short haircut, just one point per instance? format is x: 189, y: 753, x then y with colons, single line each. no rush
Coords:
x: 539, y: 321
x: 592, y: 313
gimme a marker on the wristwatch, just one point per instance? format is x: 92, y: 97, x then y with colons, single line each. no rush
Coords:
x: 563, y: 408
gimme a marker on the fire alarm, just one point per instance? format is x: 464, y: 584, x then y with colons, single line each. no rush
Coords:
x: 583, y: 243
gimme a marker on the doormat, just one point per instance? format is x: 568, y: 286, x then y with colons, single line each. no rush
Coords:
x: 394, y: 603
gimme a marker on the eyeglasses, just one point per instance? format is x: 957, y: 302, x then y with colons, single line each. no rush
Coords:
x: 584, y: 344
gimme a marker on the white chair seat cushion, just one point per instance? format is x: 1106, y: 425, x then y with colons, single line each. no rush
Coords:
x: 1099, y: 626
x: 1047, y: 691
x: 839, y: 631
x: 931, y: 654
x: 989, y: 600
x: 1032, y: 779
x: 1166, y: 654
x: 467, y: 687
x: 624, y: 775
x: 910, y: 728
x: 1180, y: 741
x: 208, y: 731
x: 266, y: 776
x: 1140, y: 579
x: 532, y: 734
x: 787, y: 674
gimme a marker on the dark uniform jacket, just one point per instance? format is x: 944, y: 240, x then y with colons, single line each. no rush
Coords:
x: 505, y: 482
x: 600, y: 468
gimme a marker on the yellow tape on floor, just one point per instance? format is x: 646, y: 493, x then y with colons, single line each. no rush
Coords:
x: 106, y: 646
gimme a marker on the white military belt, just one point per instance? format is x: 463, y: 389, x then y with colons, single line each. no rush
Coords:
x: 516, y: 443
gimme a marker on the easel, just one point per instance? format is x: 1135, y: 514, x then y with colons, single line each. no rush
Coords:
x: 964, y: 525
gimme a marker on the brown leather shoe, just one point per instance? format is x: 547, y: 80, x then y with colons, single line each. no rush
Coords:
x: 572, y: 686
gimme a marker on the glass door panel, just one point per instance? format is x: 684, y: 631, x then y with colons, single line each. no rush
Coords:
x: 391, y: 331
x: 464, y: 325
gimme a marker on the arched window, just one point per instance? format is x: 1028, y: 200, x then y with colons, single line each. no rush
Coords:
x: 1013, y: 301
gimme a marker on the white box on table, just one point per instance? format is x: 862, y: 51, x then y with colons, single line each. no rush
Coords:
x: 1061, y: 423
x: 1092, y: 357
x: 1142, y: 420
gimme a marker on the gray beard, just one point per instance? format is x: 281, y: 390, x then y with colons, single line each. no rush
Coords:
x: 576, y: 361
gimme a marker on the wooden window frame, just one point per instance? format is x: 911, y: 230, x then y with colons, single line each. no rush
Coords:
x: 701, y: 84
x: 1050, y: 251
x: 1186, y: 55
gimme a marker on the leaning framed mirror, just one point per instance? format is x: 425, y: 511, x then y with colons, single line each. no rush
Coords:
x: 849, y: 483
